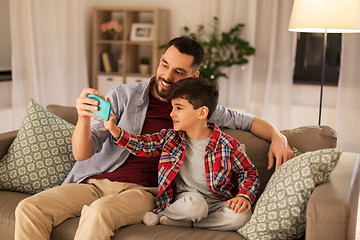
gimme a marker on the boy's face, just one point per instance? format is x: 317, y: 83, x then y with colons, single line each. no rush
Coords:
x: 173, y: 66
x: 184, y: 116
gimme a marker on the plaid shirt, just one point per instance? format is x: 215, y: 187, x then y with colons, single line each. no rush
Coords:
x: 229, y: 171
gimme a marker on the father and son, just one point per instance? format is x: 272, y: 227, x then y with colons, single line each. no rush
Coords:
x: 183, y: 170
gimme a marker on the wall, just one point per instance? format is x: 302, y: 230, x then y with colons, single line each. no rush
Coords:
x: 5, y: 40
x: 5, y: 59
x: 192, y: 13
x: 189, y: 12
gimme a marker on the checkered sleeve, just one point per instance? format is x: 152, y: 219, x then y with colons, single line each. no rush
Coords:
x: 248, y: 182
x: 142, y: 145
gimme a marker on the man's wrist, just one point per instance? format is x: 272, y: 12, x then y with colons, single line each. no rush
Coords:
x: 83, y: 118
x: 278, y: 136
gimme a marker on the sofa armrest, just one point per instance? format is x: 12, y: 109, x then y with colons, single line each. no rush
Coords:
x: 332, y: 208
x: 5, y: 141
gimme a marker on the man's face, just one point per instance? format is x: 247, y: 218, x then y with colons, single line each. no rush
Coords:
x: 173, y: 66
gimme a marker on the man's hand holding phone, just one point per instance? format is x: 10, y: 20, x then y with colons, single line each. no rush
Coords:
x: 104, y: 107
x: 90, y: 104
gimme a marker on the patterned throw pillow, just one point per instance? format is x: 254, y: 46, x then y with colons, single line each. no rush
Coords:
x: 280, y: 212
x: 40, y: 157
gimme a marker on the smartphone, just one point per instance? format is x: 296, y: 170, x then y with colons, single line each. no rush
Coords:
x: 104, y: 107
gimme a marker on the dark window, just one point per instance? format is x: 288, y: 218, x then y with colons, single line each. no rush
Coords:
x: 5, y: 76
x: 309, y: 52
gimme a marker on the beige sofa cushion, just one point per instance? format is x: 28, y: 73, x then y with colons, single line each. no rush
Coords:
x: 69, y: 114
x: 311, y: 138
x: 305, y: 139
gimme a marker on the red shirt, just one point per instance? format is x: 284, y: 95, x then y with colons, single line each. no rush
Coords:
x: 143, y: 170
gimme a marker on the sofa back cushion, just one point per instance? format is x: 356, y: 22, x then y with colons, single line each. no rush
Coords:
x: 305, y: 139
x: 69, y: 114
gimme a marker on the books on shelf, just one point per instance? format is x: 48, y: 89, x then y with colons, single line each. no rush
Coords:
x: 107, y: 63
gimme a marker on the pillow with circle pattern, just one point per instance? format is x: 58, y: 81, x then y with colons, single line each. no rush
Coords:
x: 40, y: 157
x: 280, y: 212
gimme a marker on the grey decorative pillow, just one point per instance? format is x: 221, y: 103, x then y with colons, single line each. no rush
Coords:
x: 40, y: 157
x: 280, y: 212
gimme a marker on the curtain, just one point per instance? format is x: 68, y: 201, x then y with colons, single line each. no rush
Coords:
x: 264, y: 86
x: 348, y: 110
x: 49, y: 62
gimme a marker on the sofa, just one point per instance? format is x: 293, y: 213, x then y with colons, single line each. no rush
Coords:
x: 331, y: 210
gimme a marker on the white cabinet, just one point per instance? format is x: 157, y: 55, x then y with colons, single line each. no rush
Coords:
x: 136, y: 79
x: 105, y: 82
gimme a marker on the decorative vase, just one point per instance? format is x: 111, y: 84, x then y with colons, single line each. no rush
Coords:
x: 115, y: 35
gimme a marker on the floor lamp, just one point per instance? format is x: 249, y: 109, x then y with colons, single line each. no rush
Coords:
x: 325, y: 16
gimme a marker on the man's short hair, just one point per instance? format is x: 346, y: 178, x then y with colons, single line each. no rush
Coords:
x: 198, y: 91
x: 190, y: 47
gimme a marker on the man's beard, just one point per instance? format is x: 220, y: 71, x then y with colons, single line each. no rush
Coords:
x: 162, y: 94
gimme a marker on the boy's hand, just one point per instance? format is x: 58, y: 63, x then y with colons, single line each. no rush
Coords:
x: 111, y: 126
x: 239, y: 204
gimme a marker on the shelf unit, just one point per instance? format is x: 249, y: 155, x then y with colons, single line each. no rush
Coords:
x: 123, y: 48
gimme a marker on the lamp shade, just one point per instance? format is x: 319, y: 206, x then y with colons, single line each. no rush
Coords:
x: 332, y: 16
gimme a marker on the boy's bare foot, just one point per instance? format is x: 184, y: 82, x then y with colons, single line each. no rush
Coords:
x: 150, y: 219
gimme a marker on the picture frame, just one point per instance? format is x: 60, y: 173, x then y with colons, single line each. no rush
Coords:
x: 142, y: 32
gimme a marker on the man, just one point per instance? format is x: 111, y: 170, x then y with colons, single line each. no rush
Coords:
x: 116, y: 188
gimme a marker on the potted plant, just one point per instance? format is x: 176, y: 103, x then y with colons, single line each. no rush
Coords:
x: 222, y: 50
x: 144, y: 65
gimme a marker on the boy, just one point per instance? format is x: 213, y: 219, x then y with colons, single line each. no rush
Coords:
x: 215, y: 181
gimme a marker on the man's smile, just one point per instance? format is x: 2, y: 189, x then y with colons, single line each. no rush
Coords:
x: 165, y: 84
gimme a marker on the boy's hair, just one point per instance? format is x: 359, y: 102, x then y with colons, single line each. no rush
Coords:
x: 198, y: 91
x: 190, y: 47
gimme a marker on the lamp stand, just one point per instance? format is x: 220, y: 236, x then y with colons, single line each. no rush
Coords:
x: 323, y: 73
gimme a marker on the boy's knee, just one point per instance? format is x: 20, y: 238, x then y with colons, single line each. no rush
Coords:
x: 196, y: 207
x: 239, y: 219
